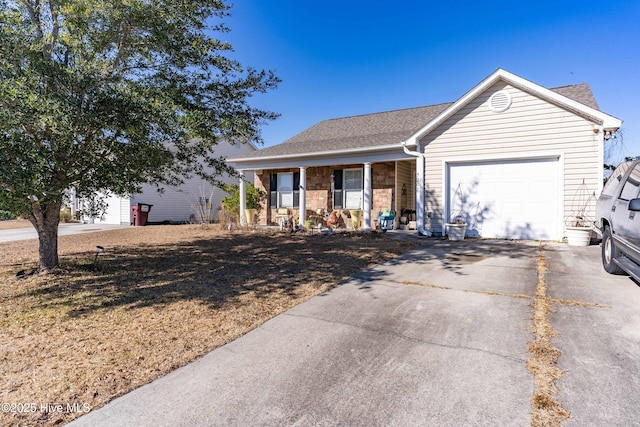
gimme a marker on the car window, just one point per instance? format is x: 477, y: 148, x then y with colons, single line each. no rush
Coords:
x: 615, y: 178
x: 631, y: 187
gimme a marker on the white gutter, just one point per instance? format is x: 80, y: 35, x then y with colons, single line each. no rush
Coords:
x: 420, y: 185
x: 333, y: 153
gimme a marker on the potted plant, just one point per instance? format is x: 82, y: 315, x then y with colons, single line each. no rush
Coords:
x: 254, y: 199
x: 456, y: 227
x: 579, y: 224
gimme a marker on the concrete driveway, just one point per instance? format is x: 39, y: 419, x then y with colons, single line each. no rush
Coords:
x: 27, y: 233
x: 435, y: 337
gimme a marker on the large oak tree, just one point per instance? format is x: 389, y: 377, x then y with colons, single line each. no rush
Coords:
x: 101, y: 96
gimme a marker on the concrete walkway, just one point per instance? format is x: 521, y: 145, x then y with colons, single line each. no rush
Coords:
x: 435, y: 337
x: 63, y: 230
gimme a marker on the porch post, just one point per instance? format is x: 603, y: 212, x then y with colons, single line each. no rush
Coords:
x: 366, y: 202
x: 303, y: 196
x: 420, y: 189
x: 243, y: 200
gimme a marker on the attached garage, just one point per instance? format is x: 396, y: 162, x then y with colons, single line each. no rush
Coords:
x: 513, y: 199
x: 509, y: 156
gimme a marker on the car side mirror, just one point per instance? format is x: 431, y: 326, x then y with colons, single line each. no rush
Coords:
x: 634, y: 205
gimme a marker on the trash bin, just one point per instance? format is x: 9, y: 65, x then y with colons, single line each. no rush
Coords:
x: 141, y: 213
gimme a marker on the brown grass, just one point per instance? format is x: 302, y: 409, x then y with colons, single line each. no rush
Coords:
x: 14, y: 223
x: 158, y: 298
x: 545, y: 410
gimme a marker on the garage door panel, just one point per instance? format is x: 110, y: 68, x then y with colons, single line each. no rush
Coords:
x: 511, y: 199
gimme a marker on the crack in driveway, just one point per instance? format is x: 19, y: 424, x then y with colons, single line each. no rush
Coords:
x: 566, y: 302
x: 409, y: 338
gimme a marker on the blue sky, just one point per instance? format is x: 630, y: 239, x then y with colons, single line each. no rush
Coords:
x: 346, y: 58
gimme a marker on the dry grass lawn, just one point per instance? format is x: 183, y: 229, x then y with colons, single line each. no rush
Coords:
x: 14, y: 223
x: 158, y: 298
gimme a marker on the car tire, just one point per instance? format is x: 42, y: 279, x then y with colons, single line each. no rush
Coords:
x: 609, y: 253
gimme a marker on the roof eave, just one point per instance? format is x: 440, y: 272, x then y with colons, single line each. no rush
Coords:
x: 328, y: 153
x: 604, y: 120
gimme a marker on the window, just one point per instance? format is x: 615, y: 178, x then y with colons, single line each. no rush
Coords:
x: 285, y: 190
x: 353, y: 188
x: 630, y: 188
x: 617, y: 175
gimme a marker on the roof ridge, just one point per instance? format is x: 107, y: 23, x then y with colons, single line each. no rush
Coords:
x: 425, y: 106
x: 577, y: 84
x: 386, y: 112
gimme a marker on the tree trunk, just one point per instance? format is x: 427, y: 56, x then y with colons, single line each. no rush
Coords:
x: 45, y: 219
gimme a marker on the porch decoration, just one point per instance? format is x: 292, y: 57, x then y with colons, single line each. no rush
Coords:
x: 387, y: 220
x: 456, y: 228
x: 579, y: 224
x: 356, y: 218
x: 254, y: 201
x: 250, y: 214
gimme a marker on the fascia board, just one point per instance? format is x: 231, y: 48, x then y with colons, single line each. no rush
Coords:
x: 456, y: 106
x: 605, y: 120
x: 317, y: 154
x: 293, y: 162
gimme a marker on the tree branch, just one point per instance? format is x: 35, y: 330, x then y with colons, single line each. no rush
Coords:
x: 48, y: 48
x: 33, y: 14
x: 123, y: 41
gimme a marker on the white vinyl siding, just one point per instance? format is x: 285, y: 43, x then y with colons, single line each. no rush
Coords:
x: 117, y: 211
x: 175, y: 203
x: 405, y: 176
x: 531, y: 127
x: 125, y: 211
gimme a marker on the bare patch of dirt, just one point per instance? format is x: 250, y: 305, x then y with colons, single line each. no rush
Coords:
x: 158, y: 298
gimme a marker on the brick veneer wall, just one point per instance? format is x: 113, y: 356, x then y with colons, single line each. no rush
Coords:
x: 319, y: 194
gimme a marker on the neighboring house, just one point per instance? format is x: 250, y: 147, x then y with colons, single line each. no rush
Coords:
x: 175, y: 204
x: 508, y: 156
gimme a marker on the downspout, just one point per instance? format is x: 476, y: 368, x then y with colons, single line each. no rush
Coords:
x: 420, y: 187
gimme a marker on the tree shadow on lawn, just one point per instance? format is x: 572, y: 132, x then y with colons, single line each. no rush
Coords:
x: 213, y: 271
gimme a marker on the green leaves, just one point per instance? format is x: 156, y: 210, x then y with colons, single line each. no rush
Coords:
x: 254, y: 198
x: 106, y: 95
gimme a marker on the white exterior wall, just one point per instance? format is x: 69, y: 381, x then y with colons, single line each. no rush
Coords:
x: 531, y: 127
x: 115, y: 214
x: 405, y: 174
x: 175, y: 204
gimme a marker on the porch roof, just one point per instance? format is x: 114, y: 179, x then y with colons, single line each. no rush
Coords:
x: 377, y: 131
x: 367, y: 130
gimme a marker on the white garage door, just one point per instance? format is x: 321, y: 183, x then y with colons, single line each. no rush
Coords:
x: 507, y: 199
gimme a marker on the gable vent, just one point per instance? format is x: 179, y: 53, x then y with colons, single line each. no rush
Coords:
x: 500, y: 101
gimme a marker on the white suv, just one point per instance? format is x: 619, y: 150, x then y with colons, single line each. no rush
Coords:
x: 616, y: 221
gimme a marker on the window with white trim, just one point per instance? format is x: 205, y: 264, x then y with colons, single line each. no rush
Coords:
x: 352, y: 188
x: 285, y: 190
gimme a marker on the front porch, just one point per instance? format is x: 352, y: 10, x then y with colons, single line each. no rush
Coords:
x: 352, y: 192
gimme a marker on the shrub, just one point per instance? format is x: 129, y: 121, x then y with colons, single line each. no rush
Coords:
x: 231, y: 203
x: 65, y: 215
x: 6, y: 215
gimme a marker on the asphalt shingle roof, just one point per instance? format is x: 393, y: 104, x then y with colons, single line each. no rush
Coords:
x: 580, y: 92
x: 379, y: 129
